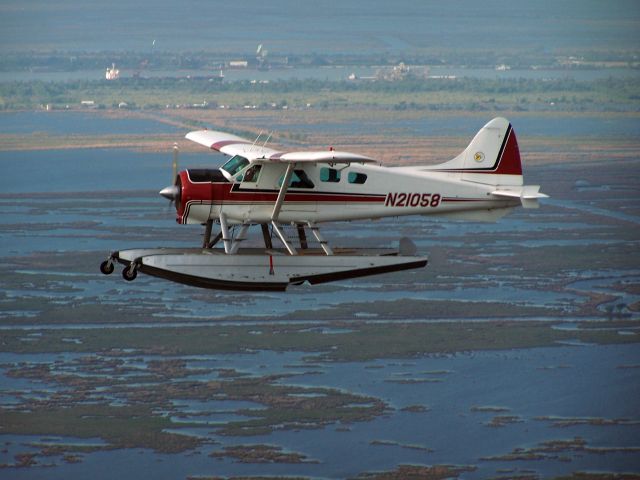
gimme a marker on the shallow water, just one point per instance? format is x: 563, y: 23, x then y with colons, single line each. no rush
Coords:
x: 65, y: 211
x: 544, y: 382
x: 78, y: 123
x: 529, y: 124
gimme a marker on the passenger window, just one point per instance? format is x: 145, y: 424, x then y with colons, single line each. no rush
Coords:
x: 251, y: 175
x: 329, y: 175
x: 299, y: 179
x: 356, y: 177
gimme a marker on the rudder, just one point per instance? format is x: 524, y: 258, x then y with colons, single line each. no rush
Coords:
x: 492, y: 157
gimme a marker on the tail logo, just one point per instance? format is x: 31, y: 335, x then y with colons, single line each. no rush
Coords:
x: 479, y: 157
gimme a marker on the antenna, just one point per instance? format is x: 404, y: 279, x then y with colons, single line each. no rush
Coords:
x: 256, y: 140
x: 268, y: 138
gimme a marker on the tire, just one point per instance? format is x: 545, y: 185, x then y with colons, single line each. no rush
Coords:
x: 128, y: 274
x: 107, y: 267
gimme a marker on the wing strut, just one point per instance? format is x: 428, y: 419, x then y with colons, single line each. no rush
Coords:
x: 283, y: 191
x: 278, y: 206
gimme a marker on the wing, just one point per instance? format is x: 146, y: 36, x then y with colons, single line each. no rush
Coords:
x: 230, y: 144
x: 322, y: 156
x: 233, y: 145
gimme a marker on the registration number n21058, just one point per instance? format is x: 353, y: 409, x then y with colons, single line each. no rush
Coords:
x: 403, y: 199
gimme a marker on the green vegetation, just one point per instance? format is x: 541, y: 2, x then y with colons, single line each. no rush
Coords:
x: 261, y: 454
x: 422, y: 472
x: 410, y: 93
x: 132, y: 426
x: 359, y: 343
x: 599, y: 476
x: 127, y: 407
x: 561, y: 450
x: 137, y: 61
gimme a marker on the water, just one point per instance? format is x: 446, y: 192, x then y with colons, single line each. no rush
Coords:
x: 527, y: 384
x: 93, y: 170
x: 289, y: 27
x: 531, y: 125
x: 64, y: 211
x: 78, y: 123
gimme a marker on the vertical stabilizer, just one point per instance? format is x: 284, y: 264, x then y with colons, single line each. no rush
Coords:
x: 492, y: 157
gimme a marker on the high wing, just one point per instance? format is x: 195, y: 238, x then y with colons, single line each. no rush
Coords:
x: 233, y: 145
x: 230, y: 144
x: 322, y: 156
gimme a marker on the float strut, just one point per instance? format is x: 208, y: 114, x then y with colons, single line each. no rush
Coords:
x: 215, y: 240
x: 302, y: 236
x: 226, y: 238
x: 207, y: 233
x: 267, y: 236
x: 323, y: 243
x: 283, y: 239
x: 242, y: 235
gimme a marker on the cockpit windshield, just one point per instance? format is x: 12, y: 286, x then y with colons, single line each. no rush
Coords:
x: 235, y: 164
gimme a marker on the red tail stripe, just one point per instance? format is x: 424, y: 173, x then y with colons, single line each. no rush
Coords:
x: 510, y: 163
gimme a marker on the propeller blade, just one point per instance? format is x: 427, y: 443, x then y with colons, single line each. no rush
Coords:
x: 174, y: 164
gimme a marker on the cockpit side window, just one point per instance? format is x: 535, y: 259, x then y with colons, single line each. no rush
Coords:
x: 235, y: 164
x: 251, y: 174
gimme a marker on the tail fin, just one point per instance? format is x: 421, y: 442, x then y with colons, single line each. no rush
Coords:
x: 492, y: 157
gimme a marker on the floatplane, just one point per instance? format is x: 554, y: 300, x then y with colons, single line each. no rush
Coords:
x: 297, y: 191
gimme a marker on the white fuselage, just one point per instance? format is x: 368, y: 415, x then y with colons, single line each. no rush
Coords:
x: 351, y: 192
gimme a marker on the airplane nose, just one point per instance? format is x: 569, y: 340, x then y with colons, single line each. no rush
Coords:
x: 170, y: 193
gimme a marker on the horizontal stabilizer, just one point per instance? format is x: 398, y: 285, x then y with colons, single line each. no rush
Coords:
x: 528, y: 195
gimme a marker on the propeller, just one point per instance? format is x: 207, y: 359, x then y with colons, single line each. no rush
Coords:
x: 174, y: 164
x: 172, y: 192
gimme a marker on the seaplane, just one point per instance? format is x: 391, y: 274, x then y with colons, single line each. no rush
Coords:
x: 288, y: 194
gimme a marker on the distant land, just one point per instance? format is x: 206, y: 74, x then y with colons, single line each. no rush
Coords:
x: 495, y: 56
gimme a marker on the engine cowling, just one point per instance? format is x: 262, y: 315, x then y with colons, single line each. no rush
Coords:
x: 193, y: 193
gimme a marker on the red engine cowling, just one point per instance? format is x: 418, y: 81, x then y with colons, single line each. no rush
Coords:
x: 195, y: 187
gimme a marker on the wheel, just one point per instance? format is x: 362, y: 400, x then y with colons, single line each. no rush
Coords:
x: 128, y: 274
x: 107, y: 267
